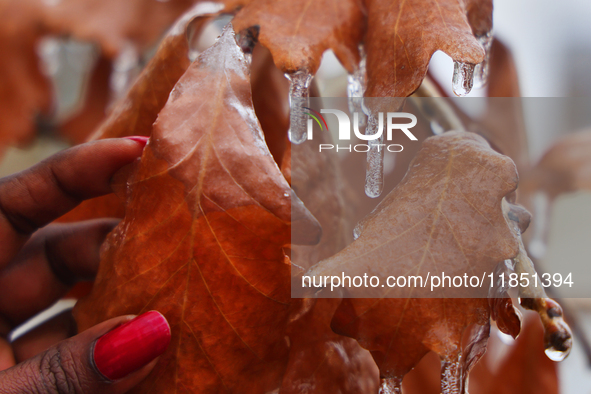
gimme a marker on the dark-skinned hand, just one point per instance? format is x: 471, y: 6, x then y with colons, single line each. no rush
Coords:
x: 39, y: 262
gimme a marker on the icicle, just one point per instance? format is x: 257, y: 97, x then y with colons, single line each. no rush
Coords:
x: 391, y: 386
x: 463, y: 78
x: 356, y: 87
x: 374, y: 176
x: 299, y: 97
x: 481, y: 69
x: 125, y: 69
x: 451, y: 375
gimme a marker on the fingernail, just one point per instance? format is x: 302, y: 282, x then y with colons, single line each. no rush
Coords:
x: 139, y: 139
x: 132, y: 345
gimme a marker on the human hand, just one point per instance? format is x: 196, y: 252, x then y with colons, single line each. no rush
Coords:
x: 40, y: 262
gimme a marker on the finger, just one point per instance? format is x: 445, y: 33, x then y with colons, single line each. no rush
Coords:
x: 53, y: 260
x: 95, y: 361
x: 32, y: 198
x: 39, y: 339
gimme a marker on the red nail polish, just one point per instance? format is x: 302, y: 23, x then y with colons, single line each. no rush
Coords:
x: 139, y: 139
x: 131, y: 345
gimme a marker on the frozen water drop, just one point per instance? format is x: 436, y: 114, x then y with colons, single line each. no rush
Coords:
x: 391, y: 386
x: 556, y: 355
x: 299, y: 97
x: 463, y: 78
x: 286, y: 194
x: 374, y: 175
x: 481, y: 69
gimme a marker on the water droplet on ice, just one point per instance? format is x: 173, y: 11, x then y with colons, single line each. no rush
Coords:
x: 556, y: 355
x: 463, y: 78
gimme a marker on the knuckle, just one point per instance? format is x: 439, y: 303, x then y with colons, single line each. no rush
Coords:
x: 59, y: 373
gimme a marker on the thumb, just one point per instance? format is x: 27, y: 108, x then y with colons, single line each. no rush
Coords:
x: 110, y: 357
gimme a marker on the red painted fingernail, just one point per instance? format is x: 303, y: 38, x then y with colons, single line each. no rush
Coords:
x: 131, y: 345
x: 139, y: 139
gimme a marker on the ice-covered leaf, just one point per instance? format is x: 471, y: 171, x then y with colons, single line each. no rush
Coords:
x: 298, y: 32
x: 403, y: 35
x: 446, y: 215
x: 207, y: 218
x: 135, y: 113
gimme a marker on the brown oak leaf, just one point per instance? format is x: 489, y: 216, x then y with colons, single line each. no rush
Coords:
x: 216, y: 211
x: 298, y: 32
x: 135, y: 113
x: 446, y: 215
x: 403, y: 35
